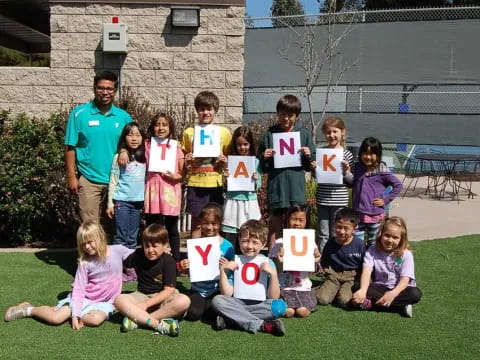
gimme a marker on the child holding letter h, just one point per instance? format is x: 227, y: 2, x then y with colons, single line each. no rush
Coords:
x: 204, y: 174
x: 285, y: 186
x: 247, y: 301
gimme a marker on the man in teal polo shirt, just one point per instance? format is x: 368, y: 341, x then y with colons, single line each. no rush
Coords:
x: 91, y: 140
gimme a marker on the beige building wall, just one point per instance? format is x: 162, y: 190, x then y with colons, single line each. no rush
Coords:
x: 163, y: 63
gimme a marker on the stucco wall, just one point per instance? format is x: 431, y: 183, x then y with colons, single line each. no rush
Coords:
x: 163, y: 63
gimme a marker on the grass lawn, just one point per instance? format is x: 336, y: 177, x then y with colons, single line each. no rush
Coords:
x: 446, y: 323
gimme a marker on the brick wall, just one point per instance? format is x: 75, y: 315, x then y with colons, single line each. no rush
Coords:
x: 163, y: 63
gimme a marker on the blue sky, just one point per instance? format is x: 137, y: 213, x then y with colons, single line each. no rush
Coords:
x: 260, y: 8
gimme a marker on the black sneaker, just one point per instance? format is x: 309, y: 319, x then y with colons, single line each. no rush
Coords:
x: 274, y: 327
x: 220, y: 323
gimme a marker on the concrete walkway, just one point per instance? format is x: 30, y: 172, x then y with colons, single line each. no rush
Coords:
x: 429, y: 218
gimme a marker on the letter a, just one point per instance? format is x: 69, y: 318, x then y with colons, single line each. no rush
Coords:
x: 256, y: 270
x: 327, y: 162
x: 241, y: 170
x: 204, y: 254
x: 293, y: 248
x: 204, y: 136
x: 284, y: 146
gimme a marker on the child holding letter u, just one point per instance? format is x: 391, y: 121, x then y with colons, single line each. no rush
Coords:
x: 296, y: 286
x: 285, y: 186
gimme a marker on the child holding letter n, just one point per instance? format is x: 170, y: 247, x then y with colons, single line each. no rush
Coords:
x: 285, y: 186
x: 247, y: 301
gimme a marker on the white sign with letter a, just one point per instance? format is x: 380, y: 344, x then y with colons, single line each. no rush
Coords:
x: 163, y: 155
x: 241, y: 169
x: 249, y: 282
x: 298, y: 248
x: 329, y: 166
x: 286, y: 146
x: 206, y: 141
x: 204, y: 256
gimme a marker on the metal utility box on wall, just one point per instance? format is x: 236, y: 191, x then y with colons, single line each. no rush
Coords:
x: 114, y: 38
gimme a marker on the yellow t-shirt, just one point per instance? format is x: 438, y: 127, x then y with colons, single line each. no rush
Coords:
x: 204, y: 173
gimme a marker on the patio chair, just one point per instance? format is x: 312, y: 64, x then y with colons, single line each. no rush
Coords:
x: 411, y: 170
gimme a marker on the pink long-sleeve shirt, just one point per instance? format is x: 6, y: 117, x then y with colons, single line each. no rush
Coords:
x: 99, y: 281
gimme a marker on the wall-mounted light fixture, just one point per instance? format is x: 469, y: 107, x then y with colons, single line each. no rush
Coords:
x: 185, y: 16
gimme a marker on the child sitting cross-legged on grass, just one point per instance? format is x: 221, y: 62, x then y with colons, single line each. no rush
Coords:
x: 98, y: 281
x: 157, y: 302
x: 394, y: 287
x: 341, y: 260
x: 251, y: 312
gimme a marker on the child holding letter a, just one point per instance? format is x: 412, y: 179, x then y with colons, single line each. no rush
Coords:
x: 204, y: 174
x: 285, y: 186
x: 241, y: 206
x: 249, y: 309
x: 296, y: 287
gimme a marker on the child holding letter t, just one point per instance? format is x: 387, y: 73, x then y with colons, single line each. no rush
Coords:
x: 285, y: 186
x: 296, y: 287
x: 250, y: 315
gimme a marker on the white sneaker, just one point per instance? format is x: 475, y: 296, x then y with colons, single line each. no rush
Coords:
x: 408, y: 311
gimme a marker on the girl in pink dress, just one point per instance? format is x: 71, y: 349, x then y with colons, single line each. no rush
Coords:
x: 163, y: 189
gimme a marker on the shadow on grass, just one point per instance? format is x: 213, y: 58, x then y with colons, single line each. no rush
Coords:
x: 66, y: 260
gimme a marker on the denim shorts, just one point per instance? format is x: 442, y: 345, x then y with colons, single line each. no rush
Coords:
x: 88, y: 306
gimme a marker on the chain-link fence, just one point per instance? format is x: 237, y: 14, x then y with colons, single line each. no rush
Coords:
x: 370, y: 16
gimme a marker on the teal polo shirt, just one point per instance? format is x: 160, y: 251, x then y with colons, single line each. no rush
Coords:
x: 94, y: 136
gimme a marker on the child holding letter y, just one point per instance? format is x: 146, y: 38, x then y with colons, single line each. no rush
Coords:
x: 203, y: 292
x: 204, y: 174
x: 296, y: 287
x: 332, y: 197
x: 241, y: 206
x: 285, y: 186
x: 163, y: 190
x: 250, y: 309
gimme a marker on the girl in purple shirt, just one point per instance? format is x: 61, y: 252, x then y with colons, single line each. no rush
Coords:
x: 97, y: 282
x: 394, y: 285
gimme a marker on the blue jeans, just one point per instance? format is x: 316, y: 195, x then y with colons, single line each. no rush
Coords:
x: 127, y: 222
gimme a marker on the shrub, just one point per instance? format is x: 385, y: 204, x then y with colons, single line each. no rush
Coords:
x: 34, y: 200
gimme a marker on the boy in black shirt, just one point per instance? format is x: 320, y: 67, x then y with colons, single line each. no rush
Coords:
x: 157, y: 302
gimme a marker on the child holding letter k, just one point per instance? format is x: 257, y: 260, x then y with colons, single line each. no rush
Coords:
x: 247, y: 301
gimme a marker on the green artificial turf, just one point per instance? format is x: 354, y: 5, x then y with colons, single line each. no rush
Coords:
x: 446, y: 323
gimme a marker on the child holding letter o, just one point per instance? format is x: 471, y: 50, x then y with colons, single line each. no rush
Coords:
x: 296, y: 287
x: 248, y: 312
x: 202, y: 292
x: 241, y: 206
x: 285, y: 186
x: 332, y: 197
x: 163, y: 191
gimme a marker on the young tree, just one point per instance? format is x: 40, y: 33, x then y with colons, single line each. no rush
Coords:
x: 285, y: 8
x: 318, y: 44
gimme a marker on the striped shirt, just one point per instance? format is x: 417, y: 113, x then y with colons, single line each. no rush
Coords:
x: 335, y: 194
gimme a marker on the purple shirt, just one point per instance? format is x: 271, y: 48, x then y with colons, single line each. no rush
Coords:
x: 388, y: 268
x: 99, y: 281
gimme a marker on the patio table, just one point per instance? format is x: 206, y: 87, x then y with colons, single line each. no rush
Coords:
x: 449, y: 168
